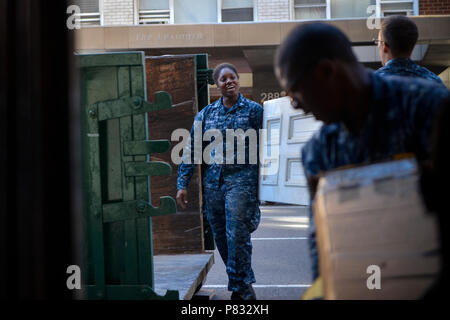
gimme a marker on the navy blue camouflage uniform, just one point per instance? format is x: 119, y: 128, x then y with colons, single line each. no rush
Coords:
x: 230, y: 190
x: 407, y: 68
x: 400, y: 120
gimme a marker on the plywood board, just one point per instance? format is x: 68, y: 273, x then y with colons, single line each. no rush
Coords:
x: 182, y: 232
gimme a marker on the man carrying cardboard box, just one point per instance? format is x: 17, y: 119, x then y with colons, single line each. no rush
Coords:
x: 366, y: 118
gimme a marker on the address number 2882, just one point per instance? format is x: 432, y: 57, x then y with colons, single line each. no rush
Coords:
x: 271, y: 95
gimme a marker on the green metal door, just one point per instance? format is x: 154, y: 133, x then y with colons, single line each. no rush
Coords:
x: 116, y: 176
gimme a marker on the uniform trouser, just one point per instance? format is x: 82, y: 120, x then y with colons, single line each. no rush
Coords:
x: 233, y: 213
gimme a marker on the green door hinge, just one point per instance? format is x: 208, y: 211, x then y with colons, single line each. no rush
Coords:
x: 128, y: 106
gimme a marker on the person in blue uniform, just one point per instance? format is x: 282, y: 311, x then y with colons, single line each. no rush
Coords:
x: 396, y: 40
x: 230, y: 177
x: 367, y: 117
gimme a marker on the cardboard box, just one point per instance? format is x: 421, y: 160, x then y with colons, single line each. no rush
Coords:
x: 374, y: 216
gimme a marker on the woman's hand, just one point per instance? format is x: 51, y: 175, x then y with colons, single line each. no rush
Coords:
x: 182, y: 196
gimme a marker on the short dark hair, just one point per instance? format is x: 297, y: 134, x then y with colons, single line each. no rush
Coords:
x: 306, y: 46
x: 222, y: 66
x: 400, y: 33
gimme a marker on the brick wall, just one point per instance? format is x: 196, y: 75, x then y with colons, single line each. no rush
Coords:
x: 431, y: 7
x: 273, y: 10
x: 118, y: 12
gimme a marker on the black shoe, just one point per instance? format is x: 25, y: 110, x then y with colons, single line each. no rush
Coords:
x: 248, y: 295
x: 236, y: 296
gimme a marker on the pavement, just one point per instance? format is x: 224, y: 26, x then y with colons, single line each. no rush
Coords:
x: 280, y: 258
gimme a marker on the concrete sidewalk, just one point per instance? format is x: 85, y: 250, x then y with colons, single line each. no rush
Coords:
x: 280, y: 257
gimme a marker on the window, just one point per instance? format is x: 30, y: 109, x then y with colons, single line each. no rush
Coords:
x: 311, y: 9
x: 336, y: 9
x: 237, y: 10
x: 195, y: 11
x: 155, y: 11
x: 351, y: 8
x: 90, y: 12
x: 404, y: 7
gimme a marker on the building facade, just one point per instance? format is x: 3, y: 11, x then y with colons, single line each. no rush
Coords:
x: 247, y: 32
x: 134, y: 12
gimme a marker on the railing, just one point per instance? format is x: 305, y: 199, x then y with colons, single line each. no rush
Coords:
x: 154, y: 16
x: 89, y: 19
x: 408, y: 12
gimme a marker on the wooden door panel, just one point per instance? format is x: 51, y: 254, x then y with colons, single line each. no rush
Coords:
x: 289, y: 129
x: 183, y: 232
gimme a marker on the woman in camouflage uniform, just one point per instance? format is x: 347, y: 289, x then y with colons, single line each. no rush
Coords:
x: 230, y: 188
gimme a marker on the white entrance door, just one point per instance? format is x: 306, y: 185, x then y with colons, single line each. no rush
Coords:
x: 281, y: 173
